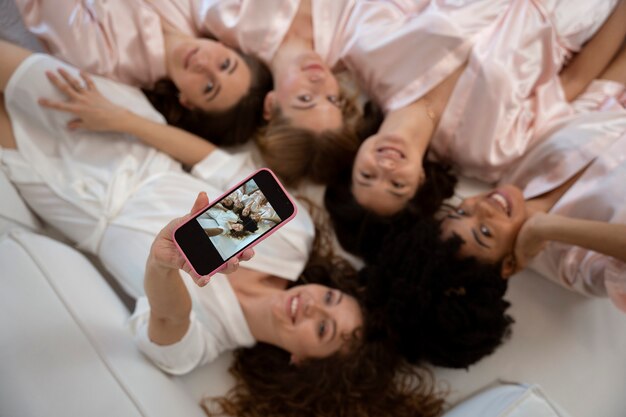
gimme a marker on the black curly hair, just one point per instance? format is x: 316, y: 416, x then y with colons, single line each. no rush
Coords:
x: 359, y: 230
x: 441, y: 309
x: 372, y: 379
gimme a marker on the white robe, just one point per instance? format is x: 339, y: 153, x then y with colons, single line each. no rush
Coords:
x: 110, y: 193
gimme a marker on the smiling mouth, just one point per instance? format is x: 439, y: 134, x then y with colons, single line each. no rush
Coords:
x: 502, y: 200
x: 387, y: 152
x: 188, y: 57
x: 313, y: 67
x: 293, y: 308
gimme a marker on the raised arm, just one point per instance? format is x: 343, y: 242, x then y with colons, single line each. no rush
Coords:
x: 95, y: 112
x: 596, y: 54
x: 170, y: 302
x: 606, y: 238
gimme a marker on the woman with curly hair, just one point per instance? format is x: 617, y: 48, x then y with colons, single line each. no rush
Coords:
x: 565, y: 222
x: 197, y: 83
x: 436, y: 310
x: 498, y: 103
x: 559, y: 211
x: 305, y: 349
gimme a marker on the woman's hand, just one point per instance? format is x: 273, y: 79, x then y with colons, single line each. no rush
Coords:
x: 93, y: 111
x: 164, y: 253
x: 529, y: 240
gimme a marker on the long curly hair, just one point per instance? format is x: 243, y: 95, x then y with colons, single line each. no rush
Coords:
x: 233, y: 126
x: 360, y: 231
x: 441, y: 309
x: 371, y: 379
x: 295, y: 154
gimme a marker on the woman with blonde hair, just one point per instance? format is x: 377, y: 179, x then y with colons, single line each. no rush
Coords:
x: 114, y: 202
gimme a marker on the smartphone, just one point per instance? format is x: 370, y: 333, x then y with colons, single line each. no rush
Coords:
x: 242, y: 217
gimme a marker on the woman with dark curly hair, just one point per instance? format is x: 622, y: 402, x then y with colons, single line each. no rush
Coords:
x: 570, y: 229
x: 197, y: 83
x: 306, y: 349
x: 437, y: 309
x: 496, y: 104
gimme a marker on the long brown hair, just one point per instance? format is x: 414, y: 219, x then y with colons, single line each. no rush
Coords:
x: 370, y: 380
x: 295, y: 153
x: 224, y: 128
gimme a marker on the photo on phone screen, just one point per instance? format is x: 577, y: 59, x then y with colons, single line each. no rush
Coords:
x: 250, y: 211
x: 239, y: 219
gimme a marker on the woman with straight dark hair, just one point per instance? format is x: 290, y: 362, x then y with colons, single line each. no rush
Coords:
x: 197, y: 83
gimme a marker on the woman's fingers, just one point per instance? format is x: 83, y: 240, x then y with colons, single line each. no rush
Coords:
x: 88, y: 81
x: 58, y: 105
x: 74, y: 124
x: 247, y: 254
x: 202, y: 200
x: 71, y: 81
x: 61, y: 86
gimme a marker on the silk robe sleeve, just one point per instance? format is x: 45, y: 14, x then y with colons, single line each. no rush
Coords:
x: 117, y: 39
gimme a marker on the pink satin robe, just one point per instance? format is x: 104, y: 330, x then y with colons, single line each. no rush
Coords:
x: 118, y: 39
x: 510, y: 91
x: 397, y: 49
x: 597, y: 139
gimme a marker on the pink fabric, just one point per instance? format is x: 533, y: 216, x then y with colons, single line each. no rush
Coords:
x: 397, y: 49
x: 597, y: 139
x: 118, y: 39
x: 400, y: 51
x: 510, y: 92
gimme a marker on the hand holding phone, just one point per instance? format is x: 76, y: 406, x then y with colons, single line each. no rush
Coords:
x: 165, y: 252
x: 239, y: 219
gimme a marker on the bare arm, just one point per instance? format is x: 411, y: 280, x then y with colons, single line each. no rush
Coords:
x: 596, y: 54
x: 181, y: 145
x: 12, y: 56
x: 170, y: 302
x: 606, y: 238
x: 95, y: 112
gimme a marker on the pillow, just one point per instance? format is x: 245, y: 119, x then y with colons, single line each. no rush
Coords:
x: 508, y: 400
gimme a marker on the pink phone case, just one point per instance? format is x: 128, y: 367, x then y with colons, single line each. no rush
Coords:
x: 253, y: 244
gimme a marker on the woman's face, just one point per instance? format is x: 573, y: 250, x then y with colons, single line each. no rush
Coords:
x: 386, y: 173
x: 488, y: 223
x: 307, y: 93
x: 238, y: 227
x: 314, y: 321
x: 245, y: 212
x: 210, y: 76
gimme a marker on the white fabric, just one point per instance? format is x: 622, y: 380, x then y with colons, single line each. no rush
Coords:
x: 217, y: 325
x: 64, y: 349
x: 508, y: 400
x: 13, y: 211
x: 110, y: 193
x: 572, y: 346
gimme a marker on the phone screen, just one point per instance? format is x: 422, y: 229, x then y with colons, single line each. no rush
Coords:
x: 249, y: 212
